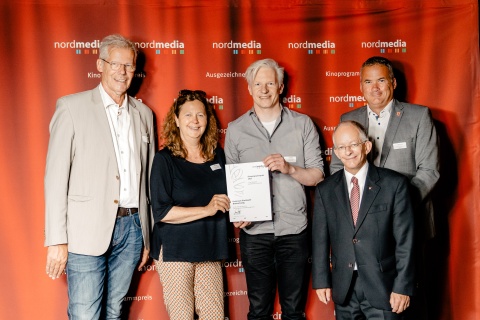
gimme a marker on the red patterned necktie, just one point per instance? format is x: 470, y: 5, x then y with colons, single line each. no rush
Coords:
x: 355, y: 200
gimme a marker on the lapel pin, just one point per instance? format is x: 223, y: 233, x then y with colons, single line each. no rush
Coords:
x: 398, y: 113
x: 369, y: 188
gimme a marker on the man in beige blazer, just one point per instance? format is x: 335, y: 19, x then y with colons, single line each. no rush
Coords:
x: 97, y: 215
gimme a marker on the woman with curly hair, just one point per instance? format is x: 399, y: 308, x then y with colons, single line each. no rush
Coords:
x: 189, y: 201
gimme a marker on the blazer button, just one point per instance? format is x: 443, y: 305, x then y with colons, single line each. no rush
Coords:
x: 350, y: 265
x: 118, y: 178
x: 115, y: 201
x: 355, y: 241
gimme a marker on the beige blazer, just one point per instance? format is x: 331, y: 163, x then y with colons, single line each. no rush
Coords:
x: 82, y: 183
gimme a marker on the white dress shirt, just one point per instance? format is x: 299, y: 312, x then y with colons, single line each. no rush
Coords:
x: 377, y: 126
x: 122, y: 136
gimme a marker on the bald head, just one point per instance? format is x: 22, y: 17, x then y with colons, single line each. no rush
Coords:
x: 351, y: 145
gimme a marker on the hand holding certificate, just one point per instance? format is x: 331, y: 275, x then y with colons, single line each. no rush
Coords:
x: 248, y: 186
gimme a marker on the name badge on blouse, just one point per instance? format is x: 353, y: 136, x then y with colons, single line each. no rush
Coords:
x: 400, y: 145
x: 290, y: 159
x: 215, y: 166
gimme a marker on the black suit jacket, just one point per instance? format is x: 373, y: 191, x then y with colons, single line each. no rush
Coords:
x: 381, y: 243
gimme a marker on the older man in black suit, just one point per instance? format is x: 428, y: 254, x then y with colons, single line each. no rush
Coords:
x: 363, y: 219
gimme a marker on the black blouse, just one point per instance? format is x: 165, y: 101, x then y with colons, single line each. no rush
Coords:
x: 175, y: 181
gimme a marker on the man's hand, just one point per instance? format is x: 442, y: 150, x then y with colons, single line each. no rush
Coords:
x: 144, y: 259
x: 324, y: 295
x: 241, y: 224
x: 306, y: 176
x: 276, y: 162
x: 56, y: 260
x: 399, y: 302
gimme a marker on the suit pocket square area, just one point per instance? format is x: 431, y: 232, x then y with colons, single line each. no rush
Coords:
x: 145, y: 139
x: 79, y: 198
x: 378, y: 208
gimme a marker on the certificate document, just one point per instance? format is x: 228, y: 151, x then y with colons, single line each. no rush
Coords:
x: 248, y: 186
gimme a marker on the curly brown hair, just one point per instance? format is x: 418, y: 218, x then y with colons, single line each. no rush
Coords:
x: 171, y: 133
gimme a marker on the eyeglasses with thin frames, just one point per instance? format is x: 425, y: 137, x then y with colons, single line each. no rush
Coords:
x: 353, y: 146
x: 116, y: 65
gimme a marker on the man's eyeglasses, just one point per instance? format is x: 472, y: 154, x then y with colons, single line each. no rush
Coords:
x: 196, y: 93
x: 353, y: 146
x: 116, y: 65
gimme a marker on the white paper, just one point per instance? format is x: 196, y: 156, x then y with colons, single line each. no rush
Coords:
x: 248, y: 186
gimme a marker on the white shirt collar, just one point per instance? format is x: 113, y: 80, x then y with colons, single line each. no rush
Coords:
x: 361, y: 175
x: 386, y: 111
x: 108, y: 101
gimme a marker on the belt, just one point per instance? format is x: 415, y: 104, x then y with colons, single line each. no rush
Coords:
x: 123, y: 212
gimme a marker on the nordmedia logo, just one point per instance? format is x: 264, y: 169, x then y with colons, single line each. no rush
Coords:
x: 397, y: 46
x: 252, y: 47
x: 292, y: 102
x: 216, y: 101
x: 327, y: 153
x: 80, y: 47
x: 149, y: 267
x: 234, y: 264
x: 91, y: 47
x: 353, y: 101
x: 325, y: 47
x: 174, y: 47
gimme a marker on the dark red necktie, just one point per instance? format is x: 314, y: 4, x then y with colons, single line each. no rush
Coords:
x: 355, y: 200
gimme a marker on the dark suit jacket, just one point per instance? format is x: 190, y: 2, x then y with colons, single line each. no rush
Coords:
x: 411, y: 148
x: 381, y: 243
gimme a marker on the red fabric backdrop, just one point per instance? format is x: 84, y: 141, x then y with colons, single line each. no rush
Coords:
x: 49, y: 50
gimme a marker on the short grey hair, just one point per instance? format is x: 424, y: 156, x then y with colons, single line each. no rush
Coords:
x: 114, y: 41
x: 252, y: 70
x: 378, y: 60
x: 361, y: 130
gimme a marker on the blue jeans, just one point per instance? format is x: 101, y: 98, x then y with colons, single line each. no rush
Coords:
x: 88, y: 276
x: 271, y: 260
